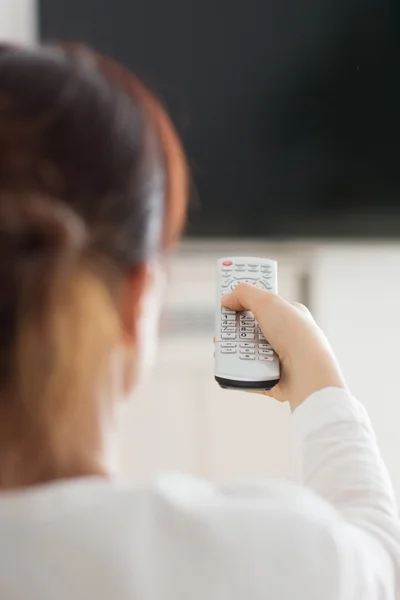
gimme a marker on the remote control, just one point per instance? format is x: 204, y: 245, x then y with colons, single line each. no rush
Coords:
x: 243, y: 357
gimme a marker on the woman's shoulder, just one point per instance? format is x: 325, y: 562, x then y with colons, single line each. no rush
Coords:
x: 173, y: 491
x: 177, y: 533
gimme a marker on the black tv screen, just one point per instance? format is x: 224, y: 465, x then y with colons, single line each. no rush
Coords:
x: 289, y: 110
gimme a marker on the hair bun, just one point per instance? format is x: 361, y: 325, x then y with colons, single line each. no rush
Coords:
x: 38, y: 226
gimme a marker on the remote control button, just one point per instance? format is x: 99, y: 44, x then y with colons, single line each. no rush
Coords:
x: 240, y: 263
x: 247, y: 329
x: 228, y: 345
x: 228, y: 317
x: 247, y: 351
x: 266, y: 358
x: 233, y: 285
x: 266, y: 352
x: 226, y: 283
x: 248, y: 316
x: 247, y: 280
x: 247, y: 345
x: 252, y: 269
x: 264, y: 347
x: 266, y: 268
x: 228, y: 336
x: 228, y: 350
x: 226, y: 274
x: 246, y: 336
x: 240, y: 269
x: 247, y: 357
x: 247, y: 324
x: 227, y: 311
x: 228, y: 329
x: 227, y: 263
x: 253, y: 265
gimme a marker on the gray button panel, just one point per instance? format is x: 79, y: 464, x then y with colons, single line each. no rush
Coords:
x: 240, y: 333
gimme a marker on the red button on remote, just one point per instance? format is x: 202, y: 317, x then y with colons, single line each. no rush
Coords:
x: 227, y: 263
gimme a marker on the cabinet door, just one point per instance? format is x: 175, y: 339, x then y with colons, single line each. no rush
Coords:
x: 159, y: 427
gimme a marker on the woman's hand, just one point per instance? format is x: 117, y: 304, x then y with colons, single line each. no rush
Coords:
x: 307, y: 360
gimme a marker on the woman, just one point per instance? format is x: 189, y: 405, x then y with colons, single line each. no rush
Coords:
x: 93, y: 188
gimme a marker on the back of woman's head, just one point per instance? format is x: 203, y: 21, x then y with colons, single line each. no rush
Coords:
x: 92, y: 186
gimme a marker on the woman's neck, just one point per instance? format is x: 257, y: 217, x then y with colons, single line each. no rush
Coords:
x: 32, y: 454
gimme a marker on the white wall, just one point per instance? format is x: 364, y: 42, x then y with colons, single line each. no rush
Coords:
x: 18, y: 21
x: 356, y: 300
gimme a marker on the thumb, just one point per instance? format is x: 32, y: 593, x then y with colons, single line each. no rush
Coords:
x: 248, y: 297
x: 276, y: 317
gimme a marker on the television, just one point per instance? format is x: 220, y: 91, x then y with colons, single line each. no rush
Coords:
x: 289, y: 111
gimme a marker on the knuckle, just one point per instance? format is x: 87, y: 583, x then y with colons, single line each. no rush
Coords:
x: 301, y: 307
x: 242, y: 290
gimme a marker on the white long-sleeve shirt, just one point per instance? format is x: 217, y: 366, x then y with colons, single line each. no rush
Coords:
x: 333, y: 535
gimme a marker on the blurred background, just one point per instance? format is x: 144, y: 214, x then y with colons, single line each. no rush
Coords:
x: 289, y: 112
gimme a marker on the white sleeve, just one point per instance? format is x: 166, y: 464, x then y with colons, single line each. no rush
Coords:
x: 334, y: 535
x: 336, y: 455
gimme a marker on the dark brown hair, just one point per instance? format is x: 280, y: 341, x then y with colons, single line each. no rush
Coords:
x: 93, y: 184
